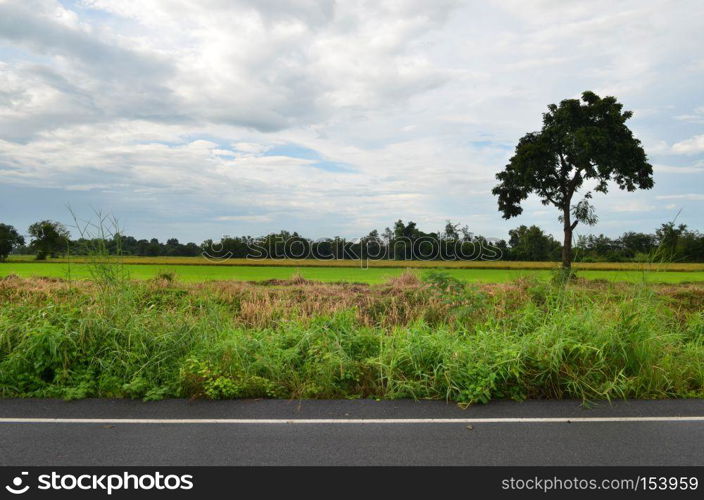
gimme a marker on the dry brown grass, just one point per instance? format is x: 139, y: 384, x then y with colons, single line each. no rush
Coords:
x: 406, y: 279
x: 400, y: 301
x: 13, y: 284
x: 263, y: 305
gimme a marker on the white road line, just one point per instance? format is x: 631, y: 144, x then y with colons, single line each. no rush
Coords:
x: 349, y: 421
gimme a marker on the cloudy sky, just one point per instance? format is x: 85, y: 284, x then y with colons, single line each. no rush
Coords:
x: 207, y: 117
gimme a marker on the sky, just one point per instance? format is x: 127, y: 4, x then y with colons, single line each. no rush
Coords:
x: 197, y: 119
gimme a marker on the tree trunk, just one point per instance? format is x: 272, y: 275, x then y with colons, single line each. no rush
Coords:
x: 567, y: 244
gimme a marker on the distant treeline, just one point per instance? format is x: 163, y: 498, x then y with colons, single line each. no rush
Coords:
x: 402, y: 242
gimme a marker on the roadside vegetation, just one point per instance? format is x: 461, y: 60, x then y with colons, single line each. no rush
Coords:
x: 432, y: 336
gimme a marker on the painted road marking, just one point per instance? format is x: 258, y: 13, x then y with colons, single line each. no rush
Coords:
x: 349, y: 421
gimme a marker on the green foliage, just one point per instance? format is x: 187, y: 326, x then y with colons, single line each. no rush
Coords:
x: 9, y: 239
x: 101, y: 242
x: 670, y: 243
x: 447, y: 286
x: 581, y: 140
x: 677, y: 243
x: 49, y: 238
x: 562, y: 276
x: 464, y: 301
x: 167, y: 276
x: 405, y: 243
x: 532, y: 244
x: 201, y: 379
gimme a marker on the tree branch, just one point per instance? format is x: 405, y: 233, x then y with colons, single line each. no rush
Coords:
x: 573, y: 183
x: 549, y: 198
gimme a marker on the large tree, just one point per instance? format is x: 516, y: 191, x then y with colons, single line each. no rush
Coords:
x: 9, y: 239
x: 49, y: 238
x: 581, y: 141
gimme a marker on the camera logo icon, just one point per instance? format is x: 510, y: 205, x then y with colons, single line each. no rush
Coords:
x: 16, y: 487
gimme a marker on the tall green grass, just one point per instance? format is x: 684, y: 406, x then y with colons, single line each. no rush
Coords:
x: 533, y: 339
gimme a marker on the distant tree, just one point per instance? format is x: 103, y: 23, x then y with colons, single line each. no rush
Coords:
x: 371, y: 246
x: 578, y: 142
x: 402, y: 244
x: 172, y: 247
x: 9, y: 239
x: 49, y: 238
x: 532, y: 244
x: 141, y: 247
x: 633, y: 243
x: 153, y: 248
x: 690, y: 246
x: 599, y: 247
x: 450, y: 231
x: 449, y: 239
x: 679, y: 243
x: 668, y: 236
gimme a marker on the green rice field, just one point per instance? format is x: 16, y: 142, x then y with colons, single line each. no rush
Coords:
x: 197, y: 273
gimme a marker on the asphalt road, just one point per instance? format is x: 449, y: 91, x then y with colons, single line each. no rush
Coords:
x: 271, y: 432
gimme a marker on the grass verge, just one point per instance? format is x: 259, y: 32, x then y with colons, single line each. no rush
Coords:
x: 437, y: 338
x: 434, y: 338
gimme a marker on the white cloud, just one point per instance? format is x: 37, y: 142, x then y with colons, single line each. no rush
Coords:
x: 688, y: 196
x: 690, y: 146
x: 245, y: 218
x: 696, y: 168
x: 697, y: 116
x: 632, y: 206
x: 326, y: 114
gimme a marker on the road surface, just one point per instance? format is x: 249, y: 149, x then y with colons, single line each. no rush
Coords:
x: 270, y: 432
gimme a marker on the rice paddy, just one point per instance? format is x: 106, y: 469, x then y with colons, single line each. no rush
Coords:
x: 149, y: 268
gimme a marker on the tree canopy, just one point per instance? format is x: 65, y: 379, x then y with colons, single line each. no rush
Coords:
x: 49, y: 238
x: 581, y: 141
x: 9, y: 239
